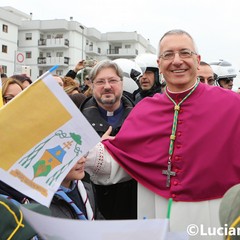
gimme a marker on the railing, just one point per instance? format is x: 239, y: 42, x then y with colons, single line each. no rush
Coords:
x: 53, y: 42
x: 53, y: 61
x: 123, y: 51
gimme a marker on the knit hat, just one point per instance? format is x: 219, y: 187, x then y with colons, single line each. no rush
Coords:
x: 229, y: 210
x: 12, y: 223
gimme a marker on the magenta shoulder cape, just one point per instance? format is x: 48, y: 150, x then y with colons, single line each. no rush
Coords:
x: 206, y: 153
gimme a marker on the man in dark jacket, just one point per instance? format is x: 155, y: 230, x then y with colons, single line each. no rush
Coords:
x: 149, y: 82
x: 108, y: 107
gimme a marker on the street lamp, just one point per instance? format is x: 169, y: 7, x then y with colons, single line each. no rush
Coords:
x: 82, y: 38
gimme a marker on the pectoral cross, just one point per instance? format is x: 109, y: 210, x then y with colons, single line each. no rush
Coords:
x: 168, y: 173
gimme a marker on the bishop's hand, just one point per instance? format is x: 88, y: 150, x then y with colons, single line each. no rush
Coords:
x: 106, y: 135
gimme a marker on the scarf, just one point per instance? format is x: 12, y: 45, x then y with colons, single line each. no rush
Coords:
x: 62, y: 193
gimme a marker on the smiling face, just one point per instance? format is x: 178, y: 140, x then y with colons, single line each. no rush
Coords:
x: 179, y: 73
x: 108, y: 94
x: 76, y: 173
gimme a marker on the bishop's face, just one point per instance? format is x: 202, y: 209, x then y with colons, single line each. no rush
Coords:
x: 179, y: 68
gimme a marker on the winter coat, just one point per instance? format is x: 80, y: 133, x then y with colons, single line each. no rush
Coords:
x: 117, y: 201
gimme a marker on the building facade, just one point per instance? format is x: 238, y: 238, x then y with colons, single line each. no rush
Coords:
x: 34, y: 46
x: 9, y: 25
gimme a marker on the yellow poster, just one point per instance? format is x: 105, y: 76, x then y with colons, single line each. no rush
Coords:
x: 43, y: 134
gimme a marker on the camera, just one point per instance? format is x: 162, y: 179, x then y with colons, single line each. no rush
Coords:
x: 89, y: 63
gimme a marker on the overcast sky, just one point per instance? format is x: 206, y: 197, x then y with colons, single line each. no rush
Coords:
x: 214, y: 24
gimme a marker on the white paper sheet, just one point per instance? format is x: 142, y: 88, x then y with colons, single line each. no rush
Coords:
x: 51, y: 228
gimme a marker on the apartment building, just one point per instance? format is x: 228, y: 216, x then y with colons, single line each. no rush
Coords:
x: 37, y: 45
x: 9, y: 26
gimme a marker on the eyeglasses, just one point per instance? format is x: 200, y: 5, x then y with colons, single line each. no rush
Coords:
x: 210, y: 81
x: 102, y: 82
x: 184, y: 53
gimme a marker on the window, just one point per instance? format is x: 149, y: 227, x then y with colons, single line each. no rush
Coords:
x: 91, y: 46
x: 48, y: 54
x: 128, y: 46
x: 28, y: 36
x: 116, y: 50
x: 59, y: 35
x: 5, y: 28
x: 40, y: 72
x: 87, y: 42
x: 4, y: 48
x: 59, y: 54
x: 99, y: 50
x: 4, y: 69
x: 59, y: 72
x: 28, y: 54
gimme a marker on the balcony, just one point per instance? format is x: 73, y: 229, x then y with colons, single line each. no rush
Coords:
x: 53, y: 43
x: 52, y: 61
x: 122, y: 53
x: 92, y: 50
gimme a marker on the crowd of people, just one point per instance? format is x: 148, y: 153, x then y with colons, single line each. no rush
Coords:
x: 163, y: 146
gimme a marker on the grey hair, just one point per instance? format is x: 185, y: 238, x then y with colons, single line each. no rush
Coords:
x: 176, y: 32
x: 102, y: 65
